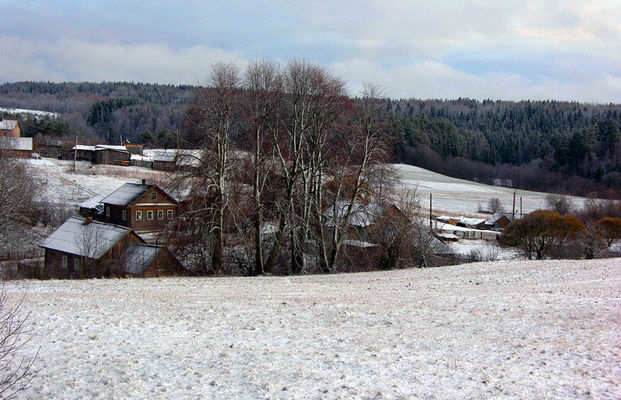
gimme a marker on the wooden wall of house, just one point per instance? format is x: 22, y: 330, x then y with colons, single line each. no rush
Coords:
x: 109, y: 156
x: 165, y: 264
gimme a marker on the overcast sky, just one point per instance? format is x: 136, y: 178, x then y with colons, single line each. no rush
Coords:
x: 566, y: 50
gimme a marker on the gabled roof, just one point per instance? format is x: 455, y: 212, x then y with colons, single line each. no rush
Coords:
x: 494, y: 218
x: 362, y: 215
x: 7, y: 124
x: 126, y: 194
x: 92, y: 239
x: 139, y: 257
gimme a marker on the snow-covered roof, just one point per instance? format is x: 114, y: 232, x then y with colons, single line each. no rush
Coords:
x: 493, y: 219
x: 99, y: 147
x: 110, y: 147
x: 471, y: 221
x: 7, y: 124
x: 16, y: 143
x: 361, y: 215
x: 446, y: 235
x: 126, y: 194
x: 91, y: 239
x: 83, y: 147
x: 93, y: 202
x: 454, y: 228
x: 359, y: 243
x: 139, y: 257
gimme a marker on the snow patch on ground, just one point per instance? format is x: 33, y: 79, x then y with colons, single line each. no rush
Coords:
x: 518, y: 330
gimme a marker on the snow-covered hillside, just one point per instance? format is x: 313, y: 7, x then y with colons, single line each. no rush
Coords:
x: 35, y: 113
x: 62, y: 185
x: 520, y: 330
x: 459, y: 196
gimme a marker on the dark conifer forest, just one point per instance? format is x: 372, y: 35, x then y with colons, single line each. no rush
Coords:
x: 565, y: 147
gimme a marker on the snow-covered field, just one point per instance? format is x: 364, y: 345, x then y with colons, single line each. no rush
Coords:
x: 62, y: 185
x: 521, y: 330
x: 458, y: 196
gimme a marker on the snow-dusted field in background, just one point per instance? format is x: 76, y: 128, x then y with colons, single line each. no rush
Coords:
x: 63, y: 186
x: 458, y: 196
x: 490, y: 330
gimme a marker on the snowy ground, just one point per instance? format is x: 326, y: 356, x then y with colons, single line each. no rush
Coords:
x: 458, y: 196
x: 62, y: 185
x: 519, y: 330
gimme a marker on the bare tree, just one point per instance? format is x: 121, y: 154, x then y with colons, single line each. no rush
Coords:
x: 263, y: 84
x: 90, y: 244
x: 18, y: 190
x: 559, y: 203
x: 495, y: 206
x: 16, y: 372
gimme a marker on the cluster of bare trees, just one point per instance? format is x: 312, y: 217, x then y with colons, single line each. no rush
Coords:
x: 306, y: 159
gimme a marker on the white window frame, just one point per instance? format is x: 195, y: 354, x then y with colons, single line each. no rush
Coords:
x: 170, y: 214
x: 149, y: 215
x: 154, y: 196
x: 138, y: 216
x: 108, y: 211
x: 76, y: 264
x: 65, y: 261
x: 160, y: 214
x: 124, y: 215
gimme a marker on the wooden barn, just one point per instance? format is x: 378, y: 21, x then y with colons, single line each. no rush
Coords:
x: 98, y: 154
x: 142, y: 207
x: 16, y: 146
x: 83, y: 248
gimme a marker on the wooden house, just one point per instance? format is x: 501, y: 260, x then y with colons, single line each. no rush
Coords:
x: 16, y: 146
x: 141, y: 207
x: 83, y: 248
x: 497, y: 221
x: 9, y: 128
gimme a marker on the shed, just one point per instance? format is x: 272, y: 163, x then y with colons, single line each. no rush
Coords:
x: 16, y: 146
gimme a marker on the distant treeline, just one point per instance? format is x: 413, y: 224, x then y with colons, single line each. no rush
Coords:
x: 544, y: 145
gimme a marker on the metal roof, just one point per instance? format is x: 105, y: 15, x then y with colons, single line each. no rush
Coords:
x: 7, y: 124
x: 126, y: 194
x: 92, y: 239
x: 139, y: 257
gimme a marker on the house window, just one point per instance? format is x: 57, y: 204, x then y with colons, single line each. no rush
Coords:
x: 150, y: 215
x: 153, y: 196
x: 65, y: 262
x: 160, y: 214
x: 124, y: 215
x: 108, y: 211
x: 76, y: 264
x: 138, y: 215
x: 169, y: 214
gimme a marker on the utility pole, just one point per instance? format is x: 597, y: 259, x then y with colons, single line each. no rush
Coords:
x: 513, y: 208
x: 521, y: 214
x: 430, y: 211
x: 75, y: 153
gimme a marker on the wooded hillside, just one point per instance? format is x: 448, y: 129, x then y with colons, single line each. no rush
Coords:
x: 545, y: 145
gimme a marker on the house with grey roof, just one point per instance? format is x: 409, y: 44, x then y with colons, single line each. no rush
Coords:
x: 141, y: 207
x: 83, y: 248
x: 9, y: 128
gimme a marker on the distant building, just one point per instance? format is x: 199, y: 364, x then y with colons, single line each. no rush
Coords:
x: 83, y: 248
x: 142, y: 207
x: 9, y: 128
x: 16, y: 146
x: 99, y: 154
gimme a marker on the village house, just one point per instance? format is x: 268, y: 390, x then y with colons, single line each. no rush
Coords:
x: 497, y: 221
x: 141, y: 207
x: 99, y: 154
x: 83, y: 248
x: 9, y: 128
x: 11, y: 144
